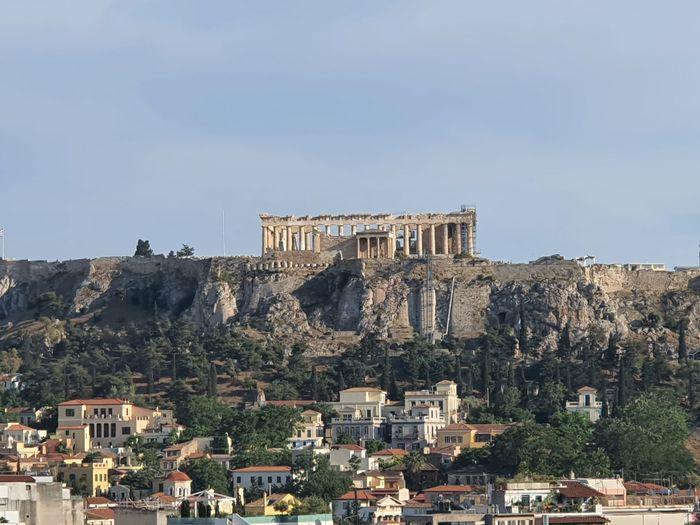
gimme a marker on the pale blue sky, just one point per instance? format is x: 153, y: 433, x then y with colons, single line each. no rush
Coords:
x: 574, y: 127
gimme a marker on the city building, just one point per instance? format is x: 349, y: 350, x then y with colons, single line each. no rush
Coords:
x: 442, y: 395
x: 35, y: 500
x: 417, y: 428
x: 587, y: 404
x: 176, y: 484
x: 469, y: 435
x: 309, y: 431
x: 359, y: 414
x: 112, y: 422
x: 272, y: 505
x: 89, y: 477
x: 266, y: 478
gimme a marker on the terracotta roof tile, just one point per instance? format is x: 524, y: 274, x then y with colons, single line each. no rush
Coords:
x: 264, y: 468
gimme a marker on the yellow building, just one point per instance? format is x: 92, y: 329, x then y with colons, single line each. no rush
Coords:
x: 88, y: 478
x: 469, y: 435
x: 111, y: 422
x: 272, y: 505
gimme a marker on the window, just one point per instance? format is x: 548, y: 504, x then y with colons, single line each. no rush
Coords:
x: 126, y: 431
x: 70, y: 412
x: 279, y: 479
x: 114, y: 429
x: 269, y: 479
x: 109, y: 411
x: 238, y: 479
x: 95, y: 411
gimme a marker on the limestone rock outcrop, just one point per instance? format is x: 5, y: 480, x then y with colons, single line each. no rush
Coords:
x: 332, y: 305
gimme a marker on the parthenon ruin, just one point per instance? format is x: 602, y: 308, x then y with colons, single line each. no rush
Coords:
x: 372, y: 236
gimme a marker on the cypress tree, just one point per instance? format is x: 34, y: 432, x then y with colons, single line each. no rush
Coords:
x: 564, y: 346
x: 386, y: 371
x: 486, y: 372
x: 212, y: 387
x: 523, y: 341
x: 691, y: 388
x: 341, y: 380
x: 314, y: 384
x: 682, y: 347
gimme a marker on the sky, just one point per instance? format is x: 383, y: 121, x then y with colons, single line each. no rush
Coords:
x: 573, y: 127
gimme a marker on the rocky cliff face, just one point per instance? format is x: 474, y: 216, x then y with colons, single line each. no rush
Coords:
x: 333, y: 304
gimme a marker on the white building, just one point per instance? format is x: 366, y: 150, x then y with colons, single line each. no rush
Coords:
x: 36, y: 500
x: 359, y: 414
x: 267, y: 478
x: 417, y: 428
x: 442, y: 395
x: 309, y: 431
x: 587, y: 404
x: 520, y: 496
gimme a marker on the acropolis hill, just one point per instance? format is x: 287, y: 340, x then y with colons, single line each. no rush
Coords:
x: 329, y: 280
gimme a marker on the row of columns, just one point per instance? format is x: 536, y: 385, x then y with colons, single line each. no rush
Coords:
x: 301, y: 238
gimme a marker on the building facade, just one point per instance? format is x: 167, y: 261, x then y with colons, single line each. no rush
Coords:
x: 111, y: 422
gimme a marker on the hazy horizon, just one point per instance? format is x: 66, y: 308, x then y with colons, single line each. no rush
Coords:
x: 572, y: 127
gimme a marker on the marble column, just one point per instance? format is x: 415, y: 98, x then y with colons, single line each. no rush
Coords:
x: 341, y: 230
x: 431, y: 240
x: 353, y: 229
x: 264, y: 239
x: 328, y: 231
x: 406, y: 240
x: 445, y: 239
x: 419, y: 239
x: 470, y: 239
x: 308, y: 242
x: 302, y: 239
x: 289, y: 246
x: 458, y: 239
x: 276, y: 237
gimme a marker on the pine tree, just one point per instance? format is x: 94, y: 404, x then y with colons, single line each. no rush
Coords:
x: 682, y: 347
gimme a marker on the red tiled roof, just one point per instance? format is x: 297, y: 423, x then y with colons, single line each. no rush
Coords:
x: 450, y: 488
x: 10, y: 478
x: 356, y: 448
x: 581, y: 518
x: 362, y: 495
x: 176, y: 475
x: 17, y: 426
x: 94, y: 401
x: 574, y: 489
x: 98, y: 500
x: 637, y: 487
x: 164, y: 498
x: 264, y: 468
x: 99, y: 514
x: 391, y: 452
